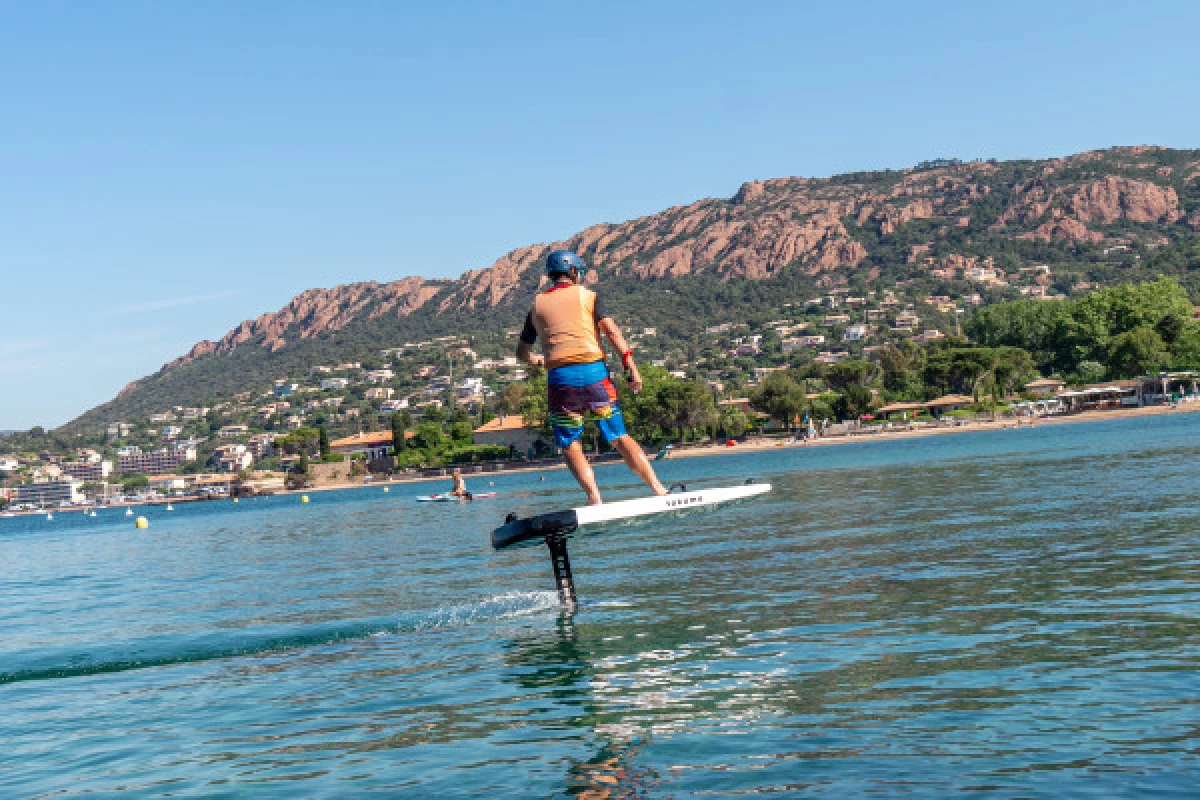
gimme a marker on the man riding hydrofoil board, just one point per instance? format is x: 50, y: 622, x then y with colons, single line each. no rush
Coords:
x: 570, y: 319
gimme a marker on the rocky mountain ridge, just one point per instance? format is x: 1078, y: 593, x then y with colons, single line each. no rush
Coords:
x: 764, y: 227
x: 920, y: 223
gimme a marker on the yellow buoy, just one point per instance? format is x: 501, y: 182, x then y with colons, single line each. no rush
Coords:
x: 303, y: 498
x: 142, y: 522
x: 385, y: 488
x: 235, y: 499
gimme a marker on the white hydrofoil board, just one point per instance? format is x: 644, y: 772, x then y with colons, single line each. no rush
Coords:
x: 532, y: 530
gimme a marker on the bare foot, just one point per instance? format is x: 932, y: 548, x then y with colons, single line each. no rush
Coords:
x: 660, y: 490
x: 594, y: 500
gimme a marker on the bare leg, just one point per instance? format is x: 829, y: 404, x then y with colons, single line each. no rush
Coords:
x: 636, y: 460
x: 582, y: 470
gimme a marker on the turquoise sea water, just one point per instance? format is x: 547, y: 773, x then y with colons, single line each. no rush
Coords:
x: 1014, y: 613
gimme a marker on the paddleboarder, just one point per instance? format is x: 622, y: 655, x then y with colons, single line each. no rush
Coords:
x: 570, y: 320
x: 460, y: 485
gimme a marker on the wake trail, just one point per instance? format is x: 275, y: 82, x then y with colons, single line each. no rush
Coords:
x: 161, y: 651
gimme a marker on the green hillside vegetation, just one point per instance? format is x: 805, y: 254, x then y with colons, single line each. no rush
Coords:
x: 1060, y: 340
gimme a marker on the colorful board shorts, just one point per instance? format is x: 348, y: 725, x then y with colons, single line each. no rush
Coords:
x: 577, y: 390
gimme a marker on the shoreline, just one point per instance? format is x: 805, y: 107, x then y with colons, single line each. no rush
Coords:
x: 756, y: 445
x: 772, y: 444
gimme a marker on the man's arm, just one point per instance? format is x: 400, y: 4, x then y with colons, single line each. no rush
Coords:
x: 525, y: 352
x: 621, y: 348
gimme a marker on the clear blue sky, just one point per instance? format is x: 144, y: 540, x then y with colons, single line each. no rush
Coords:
x: 170, y: 169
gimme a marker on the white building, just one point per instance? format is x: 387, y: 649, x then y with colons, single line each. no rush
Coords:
x: 157, y: 462
x: 117, y: 430
x: 47, y: 493
x: 856, y: 332
x: 334, y: 384
x: 800, y: 342
x: 380, y: 393
x: 87, y: 471
x: 928, y: 336
x: 378, y: 375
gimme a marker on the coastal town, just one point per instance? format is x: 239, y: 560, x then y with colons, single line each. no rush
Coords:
x: 459, y: 400
x: 600, y: 401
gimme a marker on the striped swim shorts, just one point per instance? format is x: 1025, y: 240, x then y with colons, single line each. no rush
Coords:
x: 577, y: 392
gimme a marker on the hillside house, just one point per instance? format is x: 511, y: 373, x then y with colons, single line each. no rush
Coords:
x: 512, y: 432
x: 373, y: 445
x: 378, y: 375
x: 1045, y: 387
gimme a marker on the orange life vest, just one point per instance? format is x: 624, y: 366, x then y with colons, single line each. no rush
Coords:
x: 564, y: 318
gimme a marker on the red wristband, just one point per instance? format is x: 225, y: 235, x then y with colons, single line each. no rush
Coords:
x: 625, y: 358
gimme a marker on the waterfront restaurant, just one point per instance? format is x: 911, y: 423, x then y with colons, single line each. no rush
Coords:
x: 948, y: 403
x: 1169, y: 387
x: 1117, y: 394
x: 907, y: 409
x: 1038, y: 408
x: 1148, y: 390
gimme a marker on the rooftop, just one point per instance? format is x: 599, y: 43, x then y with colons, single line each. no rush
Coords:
x: 511, y: 422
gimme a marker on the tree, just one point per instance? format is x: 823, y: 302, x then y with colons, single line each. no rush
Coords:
x: 781, y: 397
x: 1033, y: 325
x: 851, y: 373
x: 852, y: 402
x: 462, y: 432
x: 1171, y: 327
x: 533, y: 403
x: 1185, y: 352
x: 1091, y: 371
x: 429, y: 437
x: 686, y: 405
x: 135, y: 482
x: 896, y: 366
x: 323, y: 442
x: 1137, y: 352
x: 399, y: 433
x: 512, y: 398
x: 733, y: 422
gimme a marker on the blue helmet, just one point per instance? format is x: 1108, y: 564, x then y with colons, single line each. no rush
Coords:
x: 561, y: 262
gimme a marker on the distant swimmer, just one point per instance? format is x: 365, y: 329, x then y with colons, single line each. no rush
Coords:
x: 460, y: 486
x: 569, y: 320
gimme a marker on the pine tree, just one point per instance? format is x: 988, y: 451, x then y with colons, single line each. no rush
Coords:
x: 399, y: 428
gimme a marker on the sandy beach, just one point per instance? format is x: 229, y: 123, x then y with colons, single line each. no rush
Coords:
x: 769, y: 443
x: 701, y: 451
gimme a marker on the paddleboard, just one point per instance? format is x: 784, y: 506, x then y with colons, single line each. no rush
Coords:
x: 533, y: 530
x: 446, y: 497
